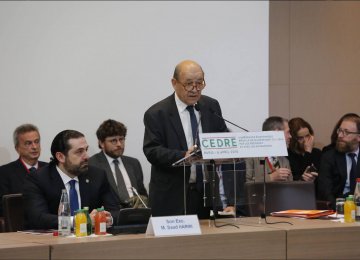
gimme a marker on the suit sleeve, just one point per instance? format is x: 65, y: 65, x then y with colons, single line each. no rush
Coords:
x: 140, y: 179
x: 36, y: 207
x: 155, y: 148
x: 325, y: 180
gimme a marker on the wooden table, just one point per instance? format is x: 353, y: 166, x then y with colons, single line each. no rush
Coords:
x: 305, y: 239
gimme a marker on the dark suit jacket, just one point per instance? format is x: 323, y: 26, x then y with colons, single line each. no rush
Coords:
x: 42, y: 192
x: 12, y: 176
x: 165, y: 143
x: 132, y: 166
x: 332, y: 175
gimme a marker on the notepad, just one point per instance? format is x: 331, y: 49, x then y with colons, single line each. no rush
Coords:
x: 300, y: 213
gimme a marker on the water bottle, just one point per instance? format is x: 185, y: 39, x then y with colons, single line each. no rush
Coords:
x: 357, y: 199
x: 64, y: 215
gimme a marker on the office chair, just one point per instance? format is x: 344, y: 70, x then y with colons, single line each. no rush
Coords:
x: 13, y: 208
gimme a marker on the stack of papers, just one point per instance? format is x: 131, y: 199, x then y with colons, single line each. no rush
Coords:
x: 300, y: 213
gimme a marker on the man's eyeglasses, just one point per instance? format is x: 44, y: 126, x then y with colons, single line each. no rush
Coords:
x: 114, y: 141
x: 345, y: 132
x: 189, y: 86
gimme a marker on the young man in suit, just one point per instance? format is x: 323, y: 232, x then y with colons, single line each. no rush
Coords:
x: 171, y: 128
x: 339, y: 166
x: 86, y: 185
x: 124, y: 173
x: 27, y: 145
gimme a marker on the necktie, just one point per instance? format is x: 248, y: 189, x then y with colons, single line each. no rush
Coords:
x: 32, y: 169
x: 194, y: 128
x: 74, y: 202
x: 123, y: 193
x: 352, y: 172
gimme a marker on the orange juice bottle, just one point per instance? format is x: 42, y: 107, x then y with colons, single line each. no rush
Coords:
x: 100, y: 222
x: 349, y: 210
x: 80, y: 223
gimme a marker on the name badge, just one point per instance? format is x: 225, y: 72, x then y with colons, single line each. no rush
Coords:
x: 174, y: 226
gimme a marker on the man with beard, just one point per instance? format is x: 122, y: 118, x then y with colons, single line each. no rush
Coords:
x: 27, y: 145
x: 340, y: 166
x: 86, y: 186
x: 124, y: 173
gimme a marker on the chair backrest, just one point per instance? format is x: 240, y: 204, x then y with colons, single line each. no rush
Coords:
x: 13, y: 208
x: 279, y: 196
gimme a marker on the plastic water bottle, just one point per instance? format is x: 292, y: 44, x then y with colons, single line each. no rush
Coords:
x: 64, y: 215
x: 357, y: 199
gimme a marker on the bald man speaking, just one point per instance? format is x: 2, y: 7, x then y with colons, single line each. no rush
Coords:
x: 171, y: 129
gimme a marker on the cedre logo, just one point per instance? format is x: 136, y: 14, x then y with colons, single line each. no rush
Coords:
x: 219, y: 143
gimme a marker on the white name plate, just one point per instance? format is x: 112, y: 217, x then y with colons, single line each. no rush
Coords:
x: 242, y: 145
x: 174, y: 226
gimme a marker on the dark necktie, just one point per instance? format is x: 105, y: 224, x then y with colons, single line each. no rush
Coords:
x: 352, y: 172
x: 194, y: 129
x: 123, y: 193
x: 32, y: 170
x: 74, y: 202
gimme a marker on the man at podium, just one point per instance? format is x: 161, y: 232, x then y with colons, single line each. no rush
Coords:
x: 171, y: 132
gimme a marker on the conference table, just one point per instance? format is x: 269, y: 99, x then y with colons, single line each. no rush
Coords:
x: 251, y: 239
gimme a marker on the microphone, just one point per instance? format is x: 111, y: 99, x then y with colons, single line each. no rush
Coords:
x: 137, y: 195
x: 216, y: 114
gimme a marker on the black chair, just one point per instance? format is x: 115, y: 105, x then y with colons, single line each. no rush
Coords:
x: 279, y: 196
x: 13, y: 208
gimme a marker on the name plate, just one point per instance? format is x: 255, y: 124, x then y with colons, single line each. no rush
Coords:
x: 174, y: 226
x: 242, y: 145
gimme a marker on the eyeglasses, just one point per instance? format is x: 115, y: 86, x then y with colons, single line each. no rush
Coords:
x: 115, y: 140
x: 301, y: 138
x: 345, y: 132
x: 189, y: 86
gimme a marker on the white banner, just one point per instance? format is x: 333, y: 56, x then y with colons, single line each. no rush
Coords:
x: 242, y: 145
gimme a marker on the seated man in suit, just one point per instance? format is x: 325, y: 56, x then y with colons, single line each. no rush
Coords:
x: 339, y: 166
x: 124, y: 173
x: 276, y: 168
x: 86, y: 185
x: 27, y: 145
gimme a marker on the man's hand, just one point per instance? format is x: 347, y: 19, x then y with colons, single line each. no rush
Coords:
x: 109, y: 218
x: 280, y: 174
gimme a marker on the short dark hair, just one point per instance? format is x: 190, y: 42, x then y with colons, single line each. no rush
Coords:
x: 61, y: 143
x: 110, y: 127
x: 273, y: 123
x: 22, y: 129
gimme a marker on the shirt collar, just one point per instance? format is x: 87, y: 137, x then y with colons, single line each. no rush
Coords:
x: 64, y: 176
x: 110, y: 159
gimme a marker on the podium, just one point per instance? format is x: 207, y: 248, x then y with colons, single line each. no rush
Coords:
x: 228, y: 173
x: 227, y: 149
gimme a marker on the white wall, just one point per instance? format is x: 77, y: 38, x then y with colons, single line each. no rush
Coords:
x: 72, y: 65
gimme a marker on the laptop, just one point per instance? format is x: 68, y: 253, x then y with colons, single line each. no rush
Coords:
x: 279, y: 196
x: 131, y: 221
